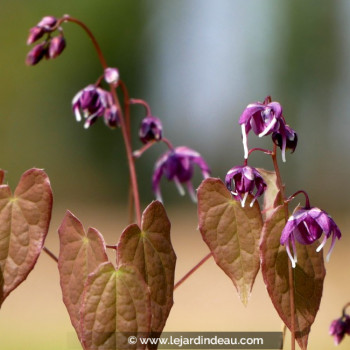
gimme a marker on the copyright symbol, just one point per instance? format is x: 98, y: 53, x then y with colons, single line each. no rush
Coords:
x: 132, y: 340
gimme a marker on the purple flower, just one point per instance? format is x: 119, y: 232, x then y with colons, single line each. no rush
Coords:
x: 57, y: 45
x: 177, y: 165
x: 242, y: 180
x: 263, y: 118
x: 111, y: 75
x: 35, y: 55
x: 339, y: 328
x: 285, y: 138
x: 151, y: 129
x: 306, y: 226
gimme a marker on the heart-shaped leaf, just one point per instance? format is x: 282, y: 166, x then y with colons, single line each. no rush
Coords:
x: 272, y: 195
x: 80, y: 254
x: 231, y: 232
x: 24, y: 222
x: 116, y: 303
x: 308, y: 277
x: 150, y: 250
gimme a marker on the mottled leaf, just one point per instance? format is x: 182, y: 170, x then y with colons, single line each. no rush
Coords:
x: 231, y: 232
x: 80, y: 254
x: 150, y: 250
x: 24, y: 222
x: 272, y: 195
x: 308, y: 277
x: 116, y: 303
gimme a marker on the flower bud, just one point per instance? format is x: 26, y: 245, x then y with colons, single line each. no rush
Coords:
x: 47, y: 23
x: 111, y: 75
x: 57, y: 45
x: 36, y: 54
x: 35, y: 33
x: 150, y: 130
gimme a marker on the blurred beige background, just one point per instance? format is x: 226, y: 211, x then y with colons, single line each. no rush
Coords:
x: 198, y: 63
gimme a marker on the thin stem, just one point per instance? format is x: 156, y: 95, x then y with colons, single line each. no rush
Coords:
x: 131, y: 205
x: 168, y: 143
x: 307, y: 200
x: 290, y: 269
x: 266, y: 151
x: 67, y: 18
x: 126, y: 106
x: 50, y: 254
x: 195, y: 268
x: 135, y: 101
x: 143, y: 149
x: 344, y: 309
x: 126, y: 135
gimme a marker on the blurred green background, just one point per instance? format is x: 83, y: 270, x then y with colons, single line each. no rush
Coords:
x: 198, y: 63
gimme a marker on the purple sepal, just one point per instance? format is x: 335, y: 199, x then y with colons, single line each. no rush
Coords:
x: 150, y: 130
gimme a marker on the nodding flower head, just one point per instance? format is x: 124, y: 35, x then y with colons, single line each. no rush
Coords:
x: 285, y: 138
x: 95, y: 102
x: 151, y: 129
x: 263, y: 118
x: 242, y: 181
x: 177, y: 165
x: 306, y: 226
x: 339, y: 328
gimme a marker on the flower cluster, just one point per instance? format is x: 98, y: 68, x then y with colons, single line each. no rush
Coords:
x: 264, y: 119
x: 306, y: 226
x: 51, y: 47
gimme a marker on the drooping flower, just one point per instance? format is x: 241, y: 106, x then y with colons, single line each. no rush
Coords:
x: 263, y: 118
x: 242, y: 181
x: 306, y: 226
x: 151, y: 129
x: 177, y: 165
x: 339, y: 328
x: 95, y: 102
x: 285, y: 138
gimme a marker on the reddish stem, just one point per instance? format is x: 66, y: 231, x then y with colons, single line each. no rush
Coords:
x: 307, y: 200
x: 143, y: 149
x: 195, y: 268
x: 126, y: 136
x: 50, y: 254
x: 290, y: 269
x: 143, y: 103
x: 67, y: 18
x: 115, y: 247
x: 168, y: 143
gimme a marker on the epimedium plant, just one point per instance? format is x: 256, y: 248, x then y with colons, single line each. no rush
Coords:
x: 108, y: 301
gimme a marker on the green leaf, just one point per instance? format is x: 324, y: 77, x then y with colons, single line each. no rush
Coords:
x: 80, y: 254
x: 308, y: 277
x: 24, y: 222
x: 116, y: 303
x: 150, y: 250
x: 231, y: 232
x: 272, y: 195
